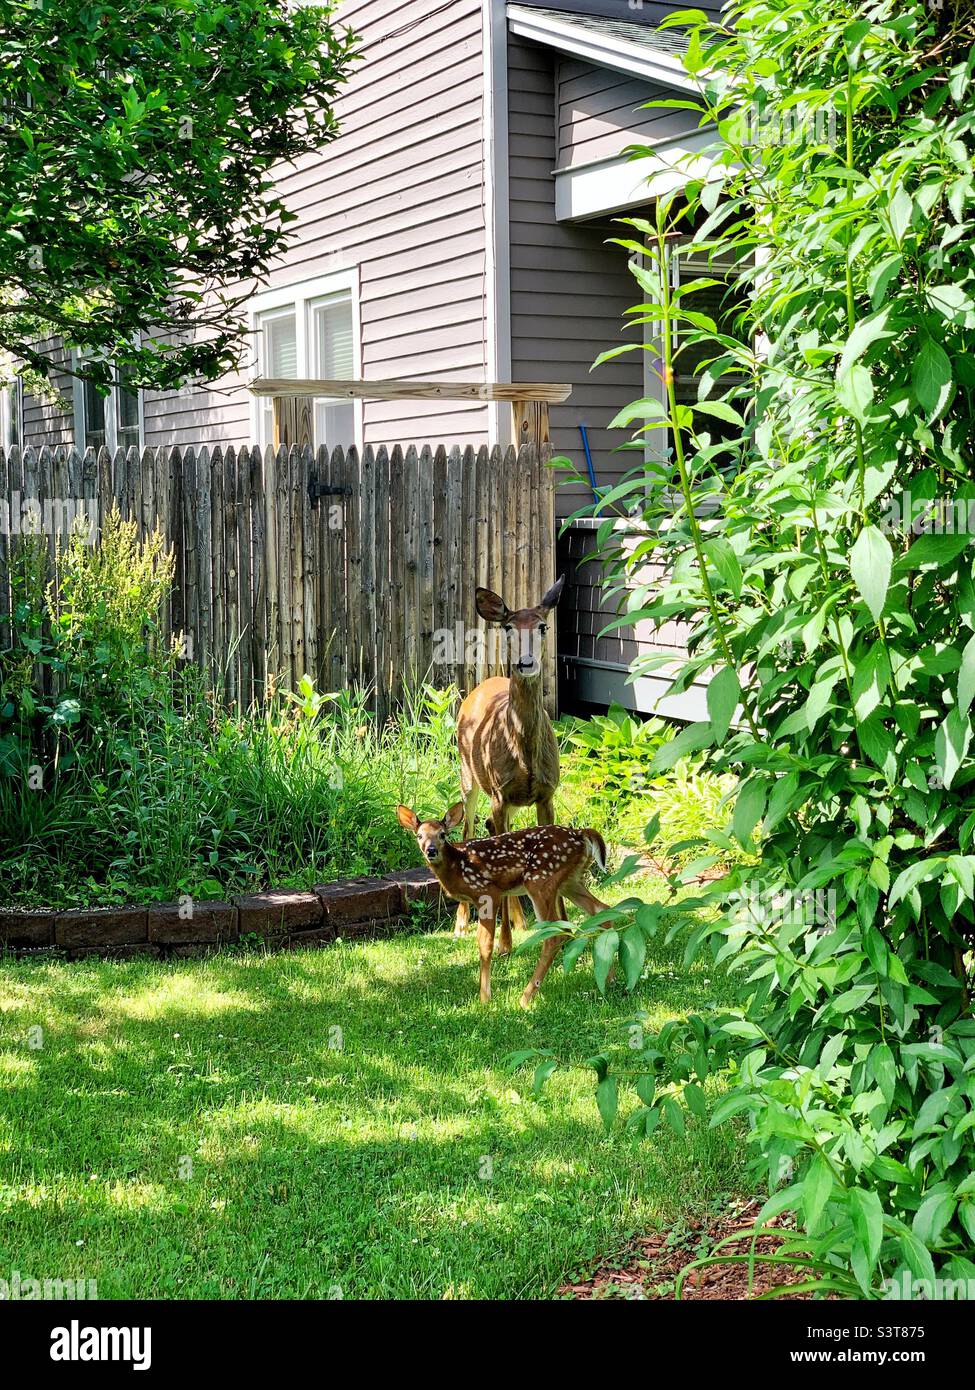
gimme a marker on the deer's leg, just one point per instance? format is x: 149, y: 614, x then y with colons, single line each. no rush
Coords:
x: 487, y: 913
x: 583, y: 899
x: 462, y: 920
x: 512, y: 911
x: 546, y: 907
x: 545, y: 813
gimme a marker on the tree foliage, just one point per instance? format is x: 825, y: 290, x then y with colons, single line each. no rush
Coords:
x: 136, y: 153
x: 810, y: 557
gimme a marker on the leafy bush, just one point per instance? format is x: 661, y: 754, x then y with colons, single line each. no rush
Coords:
x: 607, y: 768
x: 841, y: 632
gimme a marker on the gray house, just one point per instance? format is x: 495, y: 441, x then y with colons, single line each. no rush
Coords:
x: 458, y: 228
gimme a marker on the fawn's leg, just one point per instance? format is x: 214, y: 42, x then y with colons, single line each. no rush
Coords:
x: 462, y: 920
x: 512, y: 912
x: 546, y: 909
x: 545, y: 815
x: 487, y: 913
x: 590, y: 905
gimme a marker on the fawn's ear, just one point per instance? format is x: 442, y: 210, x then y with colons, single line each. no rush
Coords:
x: 554, y: 594
x: 454, y: 816
x: 491, y: 606
x: 407, y: 818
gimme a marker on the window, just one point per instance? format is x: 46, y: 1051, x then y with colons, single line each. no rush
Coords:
x: 721, y: 303
x: 309, y: 330
x: 331, y: 328
x: 278, y: 354
x: 113, y: 421
x: 12, y: 415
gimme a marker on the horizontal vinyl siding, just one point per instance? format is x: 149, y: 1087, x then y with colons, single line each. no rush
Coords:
x: 569, y: 289
x: 44, y: 420
x: 592, y: 664
x: 600, y: 113
x: 398, y: 196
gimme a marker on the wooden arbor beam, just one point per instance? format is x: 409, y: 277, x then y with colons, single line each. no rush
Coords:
x: 294, y: 422
x: 549, y: 392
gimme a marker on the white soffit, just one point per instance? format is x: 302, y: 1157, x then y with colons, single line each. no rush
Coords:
x: 600, y: 46
x: 618, y: 183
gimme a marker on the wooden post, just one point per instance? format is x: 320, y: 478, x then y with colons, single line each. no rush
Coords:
x: 285, y: 421
x: 531, y: 424
x: 294, y: 422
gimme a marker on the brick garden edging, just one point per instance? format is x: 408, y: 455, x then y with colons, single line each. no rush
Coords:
x: 348, y: 908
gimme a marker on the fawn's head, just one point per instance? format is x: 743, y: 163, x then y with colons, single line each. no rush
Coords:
x: 524, y: 627
x: 431, y: 835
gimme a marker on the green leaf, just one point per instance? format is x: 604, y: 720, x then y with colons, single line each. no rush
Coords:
x: 865, y: 332
x: 932, y: 377
x: 854, y: 391
x: 726, y: 562
x: 951, y: 301
x: 870, y: 682
x: 817, y: 1186
x: 749, y: 805
x: 542, y: 1073
x: 607, y: 1100
x: 933, y: 550
x: 721, y: 411
x: 966, y: 677
x: 870, y: 564
x: 689, y: 740
x: 851, y: 999
x: 633, y: 954
x: 674, y: 1115
x: 723, y: 694
x: 867, y: 1214
x: 966, y: 1215
x: 951, y: 744
x: 932, y: 1217
x: 604, y: 948
x: 901, y: 208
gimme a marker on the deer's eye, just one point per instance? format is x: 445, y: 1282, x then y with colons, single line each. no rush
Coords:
x: 543, y: 628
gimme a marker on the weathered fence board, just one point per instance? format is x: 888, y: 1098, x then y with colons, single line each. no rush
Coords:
x: 358, y: 571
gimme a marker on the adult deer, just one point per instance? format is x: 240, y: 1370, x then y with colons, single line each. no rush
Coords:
x: 543, y: 861
x: 505, y: 738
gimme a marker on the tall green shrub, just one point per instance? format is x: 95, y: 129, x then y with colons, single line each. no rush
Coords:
x: 838, y: 625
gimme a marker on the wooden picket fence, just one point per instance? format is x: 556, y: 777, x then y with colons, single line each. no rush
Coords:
x: 349, y: 569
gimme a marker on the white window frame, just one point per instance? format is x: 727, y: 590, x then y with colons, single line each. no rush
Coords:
x: 12, y: 412
x: 302, y: 299
x: 78, y: 359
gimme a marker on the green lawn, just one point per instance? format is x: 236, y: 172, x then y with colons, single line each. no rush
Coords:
x: 408, y: 1164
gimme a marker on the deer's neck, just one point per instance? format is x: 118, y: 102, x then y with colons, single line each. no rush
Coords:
x: 526, y: 716
x: 448, y: 869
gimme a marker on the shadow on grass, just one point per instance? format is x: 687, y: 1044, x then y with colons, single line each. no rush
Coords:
x: 279, y: 1125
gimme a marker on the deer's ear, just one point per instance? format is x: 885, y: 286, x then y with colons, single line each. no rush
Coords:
x: 554, y: 594
x: 454, y: 816
x: 407, y: 818
x: 491, y: 606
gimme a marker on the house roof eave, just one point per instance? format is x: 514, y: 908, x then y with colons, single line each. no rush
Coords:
x: 600, y: 46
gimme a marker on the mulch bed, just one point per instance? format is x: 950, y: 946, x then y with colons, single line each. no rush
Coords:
x: 648, y: 1268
